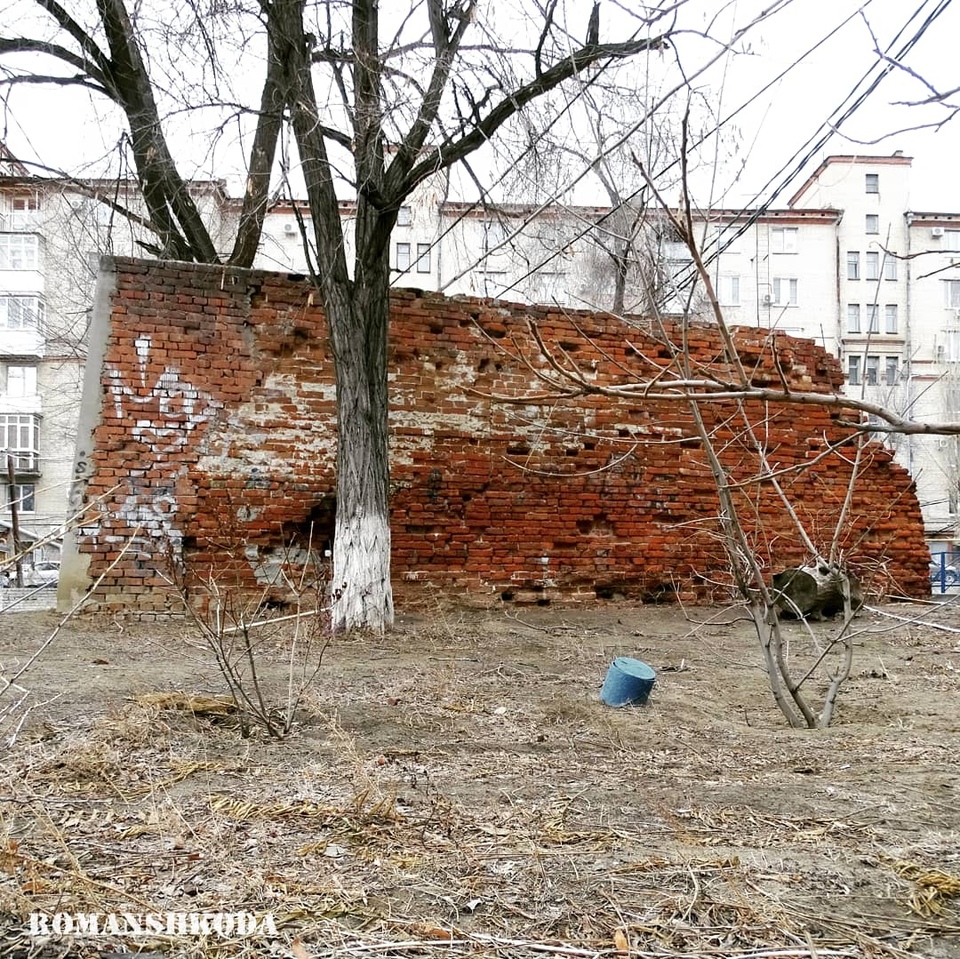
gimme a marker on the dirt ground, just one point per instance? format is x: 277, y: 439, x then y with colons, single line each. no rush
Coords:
x: 458, y: 789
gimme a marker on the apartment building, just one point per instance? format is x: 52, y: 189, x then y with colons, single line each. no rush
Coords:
x: 52, y: 235
x: 845, y: 262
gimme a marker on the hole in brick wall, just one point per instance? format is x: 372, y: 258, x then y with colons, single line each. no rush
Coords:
x: 507, y: 595
x: 590, y: 445
x: 568, y: 346
x: 296, y: 277
x: 623, y: 432
x: 572, y: 452
x: 662, y: 593
x: 436, y: 327
x: 608, y: 592
x: 483, y: 365
x: 518, y: 449
x: 269, y: 604
x: 543, y: 601
x: 318, y: 526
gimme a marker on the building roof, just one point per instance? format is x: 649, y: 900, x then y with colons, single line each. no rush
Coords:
x: 9, y: 164
x: 896, y: 159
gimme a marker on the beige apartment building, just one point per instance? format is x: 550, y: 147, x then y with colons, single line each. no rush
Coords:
x: 845, y: 262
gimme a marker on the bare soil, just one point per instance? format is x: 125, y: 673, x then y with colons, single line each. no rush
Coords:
x: 458, y: 789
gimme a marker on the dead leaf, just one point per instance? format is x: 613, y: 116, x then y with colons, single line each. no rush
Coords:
x: 299, y: 951
x: 621, y: 942
x: 434, y: 932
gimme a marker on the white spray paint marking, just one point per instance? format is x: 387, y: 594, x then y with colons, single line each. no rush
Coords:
x: 165, y: 417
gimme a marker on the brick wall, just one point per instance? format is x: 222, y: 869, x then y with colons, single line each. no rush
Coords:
x: 211, y: 434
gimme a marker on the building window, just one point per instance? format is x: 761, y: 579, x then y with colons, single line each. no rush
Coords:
x: 950, y: 351
x: 784, y: 239
x: 404, y: 216
x: 729, y: 291
x: 403, y: 257
x: 24, y: 495
x: 19, y: 438
x: 785, y: 290
x: 853, y: 317
x: 423, y: 257
x: 873, y: 265
x: 19, y: 251
x: 20, y: 312
x: 873, y: 318
x: 853, y: 265
x: 890, y: 324
x: 891, y: 370
x: 853, y: 370
x: 873, y: 183
x: 729, y: 240
x: 872, y: 371
x: 494, y: 236
x: 951, y: 240
x: 20, y: 381
x: 24, y: 215
x: 873, y: 223
x: 951, y: 294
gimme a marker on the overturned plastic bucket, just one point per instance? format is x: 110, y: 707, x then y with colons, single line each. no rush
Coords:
x: 628, y: 682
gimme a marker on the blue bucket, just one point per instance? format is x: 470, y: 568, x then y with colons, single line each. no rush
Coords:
x: 628, y: 682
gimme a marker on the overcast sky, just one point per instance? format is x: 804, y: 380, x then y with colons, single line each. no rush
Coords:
x: 782, y: 120
x: 773, y: 130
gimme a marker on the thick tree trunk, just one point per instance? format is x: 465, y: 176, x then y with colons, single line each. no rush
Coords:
x: 361, y: 590
x: 815, y: 591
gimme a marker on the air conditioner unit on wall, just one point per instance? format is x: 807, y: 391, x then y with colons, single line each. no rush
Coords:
x: 936, y: 231
x: 766, y: 299
x: 289, y: 229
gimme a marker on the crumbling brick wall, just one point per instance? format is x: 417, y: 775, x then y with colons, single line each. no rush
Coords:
x: 210, y: 447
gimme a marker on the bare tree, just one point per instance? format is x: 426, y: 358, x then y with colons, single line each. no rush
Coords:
x: 728, y: 388
x: 379, y: 106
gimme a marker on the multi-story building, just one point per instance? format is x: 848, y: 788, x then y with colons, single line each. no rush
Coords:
x: 845, y: 262
x: 52, y: 235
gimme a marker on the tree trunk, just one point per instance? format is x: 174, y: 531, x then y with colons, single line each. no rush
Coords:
x: 361, y: 590
x: 815, y: 591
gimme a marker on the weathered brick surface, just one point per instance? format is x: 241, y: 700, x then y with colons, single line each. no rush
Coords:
x: 216, y: 437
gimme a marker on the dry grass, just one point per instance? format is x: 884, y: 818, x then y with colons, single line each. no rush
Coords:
x: 458, y: 791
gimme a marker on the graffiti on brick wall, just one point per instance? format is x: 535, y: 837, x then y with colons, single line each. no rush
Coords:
x: 164, y: 416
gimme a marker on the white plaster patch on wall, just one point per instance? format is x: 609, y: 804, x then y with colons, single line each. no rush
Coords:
x: 468, y: 421
x: 271, y: 566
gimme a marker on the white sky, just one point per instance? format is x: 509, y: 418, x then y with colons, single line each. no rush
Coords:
x: 790, y: 113
x: 771, y: 131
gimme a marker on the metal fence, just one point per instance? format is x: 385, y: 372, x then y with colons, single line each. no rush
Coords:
x: 944, y: 571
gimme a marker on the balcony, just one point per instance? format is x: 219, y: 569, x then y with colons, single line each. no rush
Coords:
x: 21, y: 262
x: 26, y: 463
